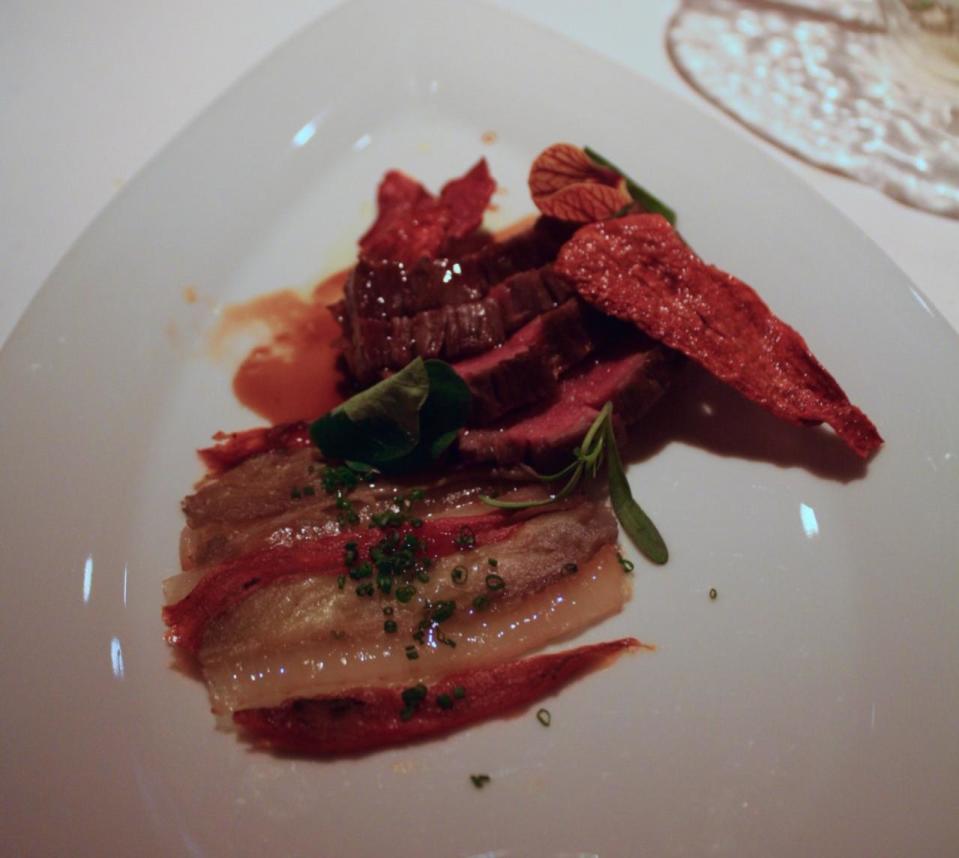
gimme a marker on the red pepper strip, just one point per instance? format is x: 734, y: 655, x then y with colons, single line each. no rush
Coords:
x: 638, y: 268
x: 364, y: 719
x: 412, y: 224
x: 232, y: 448
x: 234, y: 580
x: 466, y: 199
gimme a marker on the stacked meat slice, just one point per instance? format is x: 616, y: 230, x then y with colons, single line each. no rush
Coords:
x: 539, y: 362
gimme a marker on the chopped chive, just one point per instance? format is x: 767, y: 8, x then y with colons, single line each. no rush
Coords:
x: 405, y: 593
x: 417, y: 494
x: 465, y: 539
x: 544, y: 717
x: 444, y: 701
x: 495, y: 582
x: 480, y: 603
x: 341, y: 581
x: 442, y: 611
x: 365, y: 589
x: 493, y: 562
x: 712, y: 593
x: 570, y: 568
x: 628, y: 565
x: 459, y: 575
x: 385, y: 583
x: 309, y: 491
x: 422, y: 576
x: 295, y: 493
x: 459, y: 692
x: 411, y: 653
x: 390, y: 627
x: 414, y: 694
x: 416, y: 522
x: 479, y: 781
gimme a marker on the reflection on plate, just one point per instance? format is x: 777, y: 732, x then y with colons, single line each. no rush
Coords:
x: 809, y: 709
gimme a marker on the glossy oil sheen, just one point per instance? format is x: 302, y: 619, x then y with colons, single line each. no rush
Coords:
x: 308, y: 638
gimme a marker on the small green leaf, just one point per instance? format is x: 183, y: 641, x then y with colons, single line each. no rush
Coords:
x: 635, y: 522
x: 638, y: 193
x: 375, y: 442
x: 379, y: 424
x: 446, y: 409
x: 402, y: 423
x: 439, y: 444
x: 396, y: 400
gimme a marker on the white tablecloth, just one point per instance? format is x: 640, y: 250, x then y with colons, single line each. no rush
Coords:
x: 90, y: 91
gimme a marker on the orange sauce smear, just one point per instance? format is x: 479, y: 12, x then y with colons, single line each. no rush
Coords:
x: 293, y: 376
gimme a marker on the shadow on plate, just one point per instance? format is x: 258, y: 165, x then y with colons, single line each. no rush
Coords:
x: 703, y: 412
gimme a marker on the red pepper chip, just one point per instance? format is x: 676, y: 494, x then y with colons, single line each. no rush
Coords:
x: 637, y: 268
x: 412, y: 224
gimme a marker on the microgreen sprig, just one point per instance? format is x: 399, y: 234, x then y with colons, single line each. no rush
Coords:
x: 599, y: 445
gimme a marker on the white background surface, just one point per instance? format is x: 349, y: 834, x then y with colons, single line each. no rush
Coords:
x: 91, y: 91
x: 830, y: 700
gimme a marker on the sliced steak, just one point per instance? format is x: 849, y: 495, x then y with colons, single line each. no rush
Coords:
x: 544, y: 437
x: 452, y: 331
x: 526, y: 368
x: 384, y: 290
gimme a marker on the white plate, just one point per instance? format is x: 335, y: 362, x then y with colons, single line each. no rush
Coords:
x: 809, y: 710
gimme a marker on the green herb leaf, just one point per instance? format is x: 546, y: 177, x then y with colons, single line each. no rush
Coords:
x: 395, y: 400
x: 399, y: 424
x: 564, y: 492
x: 378, y: 424
x: 598, y: 442
x: 638, y: 193
x: 635, y: 522
x: 448, y: 404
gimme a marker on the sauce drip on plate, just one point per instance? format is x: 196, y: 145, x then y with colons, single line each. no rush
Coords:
x: 294, y: 375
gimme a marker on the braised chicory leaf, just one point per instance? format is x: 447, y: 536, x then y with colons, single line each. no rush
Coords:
x: 637, y: 192
x: 402, y: 422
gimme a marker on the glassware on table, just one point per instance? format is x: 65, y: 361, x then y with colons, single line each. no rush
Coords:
x: 834, y: 82
x: 928, y: 32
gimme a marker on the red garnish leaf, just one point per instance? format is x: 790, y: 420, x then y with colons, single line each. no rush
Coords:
x: 566, y: 183
x: 364, y: 719
x: 412, y: 224
x: 637, y: 268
